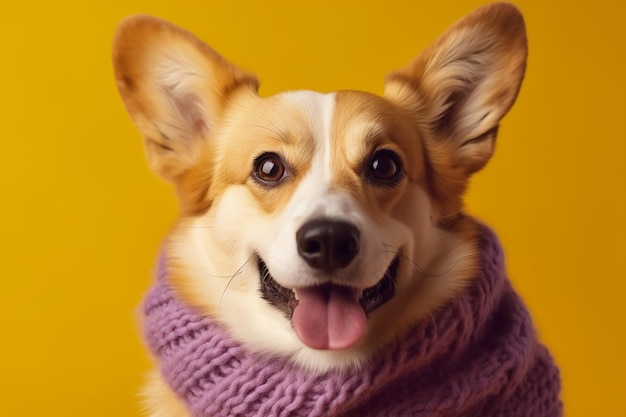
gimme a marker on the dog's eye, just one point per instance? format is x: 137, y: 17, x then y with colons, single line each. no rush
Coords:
x: 385, y: 167
x: 269, y: 168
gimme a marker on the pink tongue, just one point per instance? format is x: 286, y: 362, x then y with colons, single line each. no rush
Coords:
x: 329, y: 317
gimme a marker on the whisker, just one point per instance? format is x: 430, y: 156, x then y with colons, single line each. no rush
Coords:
x: 208, y: 274
x: 445, y: 216
x: 215, y: 276
x: 432, y: 318
x: 237, y: 272
x: 447, y: 220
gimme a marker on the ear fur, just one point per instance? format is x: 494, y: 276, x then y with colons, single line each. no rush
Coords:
x: 175, y: 89
x: 460, y: 87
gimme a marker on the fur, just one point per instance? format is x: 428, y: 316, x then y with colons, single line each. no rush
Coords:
x: 205, y: 127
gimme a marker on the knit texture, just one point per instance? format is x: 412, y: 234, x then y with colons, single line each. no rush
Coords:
x: 477, y: 357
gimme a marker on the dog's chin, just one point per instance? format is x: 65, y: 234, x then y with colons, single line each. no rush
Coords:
x: 361, y: 303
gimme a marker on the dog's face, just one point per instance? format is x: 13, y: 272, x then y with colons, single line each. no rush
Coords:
x: 320, y: 226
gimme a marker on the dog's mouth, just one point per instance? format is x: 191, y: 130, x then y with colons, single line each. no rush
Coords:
x: 329, y: 316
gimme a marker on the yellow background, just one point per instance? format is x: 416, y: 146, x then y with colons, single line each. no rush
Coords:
x: 81, y: 216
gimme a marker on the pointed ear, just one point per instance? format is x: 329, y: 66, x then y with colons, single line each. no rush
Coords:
x: 175, y: 89
x: 461, y: 86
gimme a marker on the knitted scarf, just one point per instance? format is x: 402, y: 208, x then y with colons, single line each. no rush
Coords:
x: 478, y: 357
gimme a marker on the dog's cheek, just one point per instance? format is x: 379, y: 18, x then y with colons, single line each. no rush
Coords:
x: 415, y: 211
x: 238, y: 221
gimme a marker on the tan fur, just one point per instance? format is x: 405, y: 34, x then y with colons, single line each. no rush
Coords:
x: 204, y: 126
x: 174, y: 87
x: 159, y: 400
x: 364, y: 123
x: 458, y: 90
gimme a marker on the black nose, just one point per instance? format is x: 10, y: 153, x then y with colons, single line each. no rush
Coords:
x: 328, y: 244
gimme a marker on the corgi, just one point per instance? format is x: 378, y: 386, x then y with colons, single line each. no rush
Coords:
x: 319, y: 227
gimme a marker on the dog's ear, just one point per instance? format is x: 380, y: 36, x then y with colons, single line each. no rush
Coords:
x: 175, y: 89
x: 460, y: 87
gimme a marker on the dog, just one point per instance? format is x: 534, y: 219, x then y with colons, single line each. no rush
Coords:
x: 318, y: 228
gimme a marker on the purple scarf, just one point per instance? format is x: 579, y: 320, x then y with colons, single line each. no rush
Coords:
x: 478, y: 357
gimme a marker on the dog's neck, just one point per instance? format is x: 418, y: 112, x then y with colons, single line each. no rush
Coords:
x: 473, y: 358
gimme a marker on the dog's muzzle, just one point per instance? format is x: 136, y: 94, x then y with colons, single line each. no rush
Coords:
x: 329, y: 315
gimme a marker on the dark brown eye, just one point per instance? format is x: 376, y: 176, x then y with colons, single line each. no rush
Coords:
x: 384, y: 167
x: 269, y: 168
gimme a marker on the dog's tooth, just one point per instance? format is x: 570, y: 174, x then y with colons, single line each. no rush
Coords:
x: 296, y: 295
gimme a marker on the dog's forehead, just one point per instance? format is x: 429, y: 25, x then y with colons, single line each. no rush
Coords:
x: 342, y: 112
x: 303, y: 116
x: 341, y: 124
x: 336, y: 130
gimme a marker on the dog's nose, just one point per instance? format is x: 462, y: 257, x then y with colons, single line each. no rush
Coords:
x: 328, y: 244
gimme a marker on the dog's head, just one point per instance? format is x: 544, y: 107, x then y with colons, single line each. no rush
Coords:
x: 320, y: 225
